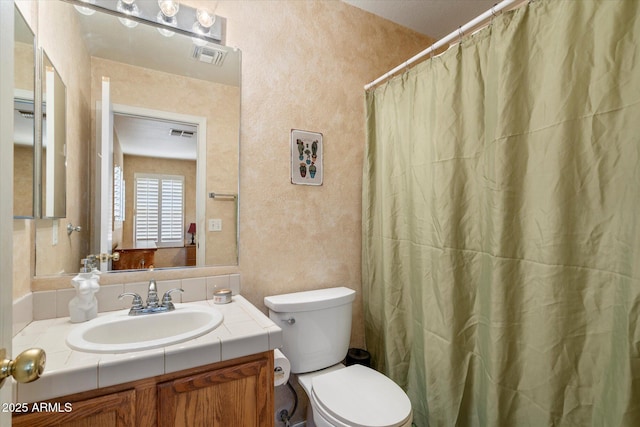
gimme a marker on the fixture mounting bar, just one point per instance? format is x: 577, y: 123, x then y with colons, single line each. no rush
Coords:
x: 148, y: 12
x: 472, y: 25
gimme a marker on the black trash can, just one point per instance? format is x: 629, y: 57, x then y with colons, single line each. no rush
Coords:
x: 358, y: 356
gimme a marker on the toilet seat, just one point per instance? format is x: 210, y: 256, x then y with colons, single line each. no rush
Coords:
x: 358, y: 396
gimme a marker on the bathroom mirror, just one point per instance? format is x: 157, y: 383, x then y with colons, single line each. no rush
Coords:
x: 54, y: 139
x: 168, y: 97
x: 24, y: 123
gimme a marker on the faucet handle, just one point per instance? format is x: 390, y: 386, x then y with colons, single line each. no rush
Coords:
x: 137, y: 301
x: 166, y: 299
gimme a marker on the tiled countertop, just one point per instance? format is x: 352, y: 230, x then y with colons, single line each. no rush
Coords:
x: 245, y: 330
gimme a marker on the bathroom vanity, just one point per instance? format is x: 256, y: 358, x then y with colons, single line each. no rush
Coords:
x: 238, y: 392
x: 223, y: 378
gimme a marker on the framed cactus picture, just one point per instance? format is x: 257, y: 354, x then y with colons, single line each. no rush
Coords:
x: 306, y: 157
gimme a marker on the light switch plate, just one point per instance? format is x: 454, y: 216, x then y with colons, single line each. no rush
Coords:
x: 215, y: 224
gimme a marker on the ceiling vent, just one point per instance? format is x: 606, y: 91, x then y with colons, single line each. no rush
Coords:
x: 209, y: 55
x: 182, y: 133
x: 26, y: 114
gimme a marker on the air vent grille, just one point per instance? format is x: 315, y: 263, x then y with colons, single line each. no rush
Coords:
x: 209, y: 55
x: 182, y: 133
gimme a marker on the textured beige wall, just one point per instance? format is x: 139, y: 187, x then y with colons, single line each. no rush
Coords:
x: 22, y: 179
x: 304, y: 67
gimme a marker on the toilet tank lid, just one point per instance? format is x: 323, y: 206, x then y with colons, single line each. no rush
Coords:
x: 310, y: 300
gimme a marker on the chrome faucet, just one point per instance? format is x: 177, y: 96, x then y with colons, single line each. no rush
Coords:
x: 137, y: 308
x: 152, y: 294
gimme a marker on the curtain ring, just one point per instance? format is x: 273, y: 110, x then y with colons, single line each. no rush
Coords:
x: 493, y: 10
x: 460, y: 35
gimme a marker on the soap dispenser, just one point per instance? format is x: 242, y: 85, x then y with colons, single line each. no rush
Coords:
x: 84, y: 306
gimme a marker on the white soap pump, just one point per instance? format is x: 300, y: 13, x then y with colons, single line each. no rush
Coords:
x: 84, y: 306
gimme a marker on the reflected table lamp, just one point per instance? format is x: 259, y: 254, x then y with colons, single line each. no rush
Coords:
x: 192, y: 231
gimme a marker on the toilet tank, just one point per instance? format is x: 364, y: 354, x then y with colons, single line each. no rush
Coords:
x: 316, y: 326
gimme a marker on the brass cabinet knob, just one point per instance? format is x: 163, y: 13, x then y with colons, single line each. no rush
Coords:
x: 27, y: 367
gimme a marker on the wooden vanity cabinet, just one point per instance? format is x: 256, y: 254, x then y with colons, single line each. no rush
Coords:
x: 238, y: 392
x: 116, y: 409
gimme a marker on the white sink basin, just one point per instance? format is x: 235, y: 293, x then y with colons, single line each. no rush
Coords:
x: 120, y: 333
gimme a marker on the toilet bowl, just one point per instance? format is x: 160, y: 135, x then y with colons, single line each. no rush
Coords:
x: 355, y: 396
x: 316, y: 329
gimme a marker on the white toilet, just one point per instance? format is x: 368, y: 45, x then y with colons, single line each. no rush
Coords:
x: 316, y: 328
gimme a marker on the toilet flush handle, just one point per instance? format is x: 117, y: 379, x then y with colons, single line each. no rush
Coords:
x: 290, y: 320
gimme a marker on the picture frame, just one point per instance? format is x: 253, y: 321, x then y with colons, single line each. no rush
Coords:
x: 307, y: 151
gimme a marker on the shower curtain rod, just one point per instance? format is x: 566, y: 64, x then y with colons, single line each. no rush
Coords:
x: 469, y: 26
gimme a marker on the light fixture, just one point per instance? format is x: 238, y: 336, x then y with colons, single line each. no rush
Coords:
x: 205, y: 18
x: 128, y: 7
x: 168, y: 21
x: 204, y: 21
x: 167, y: 16
x: 86, y: 10
x: 169, y: 8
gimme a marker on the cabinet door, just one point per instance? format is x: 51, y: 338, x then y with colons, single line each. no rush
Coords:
x: 112, y: 410
x: 239, y: 395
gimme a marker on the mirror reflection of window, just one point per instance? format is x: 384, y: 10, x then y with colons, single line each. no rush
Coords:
x: 118, y: 197
x: 159, y: 202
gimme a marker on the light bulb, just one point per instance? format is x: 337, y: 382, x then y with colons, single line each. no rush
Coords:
x: 169, y: 21
x: 169, y: 8
x: 128, y: 7
x: 205, y: 18
x: 86, y: 10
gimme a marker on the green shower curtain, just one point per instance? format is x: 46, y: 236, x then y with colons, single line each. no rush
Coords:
x: 501, y: 222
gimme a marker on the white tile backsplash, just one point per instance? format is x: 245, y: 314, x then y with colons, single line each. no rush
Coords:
x: 167, y: 285
x: 43, y: 305
x: 195, y: 289
x: 139, y: 288
x: 108, y: 300
x: 63, y: 296
x: 234, y: 283
x: 22, y: 312
x: 216, y: 282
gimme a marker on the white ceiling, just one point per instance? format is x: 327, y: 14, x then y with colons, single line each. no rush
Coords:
x: 137, y: 134
x: 434, y: 18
